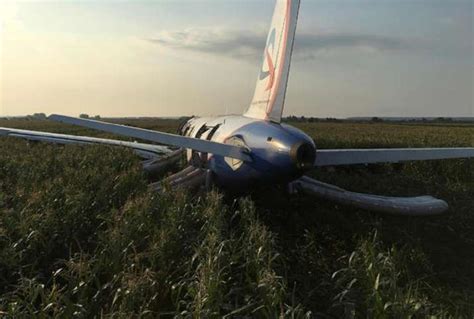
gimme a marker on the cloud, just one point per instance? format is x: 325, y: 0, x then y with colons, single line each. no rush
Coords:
x: 310, y: 45
x: 249, y: 44
x: 232, y: 43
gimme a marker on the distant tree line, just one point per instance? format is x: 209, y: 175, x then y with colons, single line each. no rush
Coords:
x: 304, y: 119
x: 310, y: 119
x: 86, y: 116
x: 375, y: 119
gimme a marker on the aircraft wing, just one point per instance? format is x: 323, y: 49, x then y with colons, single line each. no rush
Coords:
x: 147, y: 151
x: 336, y: 157
x: 160, y: 137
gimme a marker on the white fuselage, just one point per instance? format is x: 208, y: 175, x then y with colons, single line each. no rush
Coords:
x: 279, y: 152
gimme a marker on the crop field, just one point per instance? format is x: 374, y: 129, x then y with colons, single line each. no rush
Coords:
x: 81, y: 235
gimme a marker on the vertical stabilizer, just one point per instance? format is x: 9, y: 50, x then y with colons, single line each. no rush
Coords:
x: 269, y: 97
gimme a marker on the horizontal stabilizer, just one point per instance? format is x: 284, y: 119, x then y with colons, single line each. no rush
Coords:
x: 160, y: 137
x: 406, y: 206
x: 144, y: 150
x: 395, y: 155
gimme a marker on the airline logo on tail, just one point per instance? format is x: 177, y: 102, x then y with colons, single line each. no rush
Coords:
x: 270, y: 90
x: 268, y: 57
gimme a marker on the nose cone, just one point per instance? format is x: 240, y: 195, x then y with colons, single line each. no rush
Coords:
x: 303, y: 154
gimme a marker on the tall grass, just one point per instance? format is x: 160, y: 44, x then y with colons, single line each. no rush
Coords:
x: 82, y: 236
x: 384, y: 283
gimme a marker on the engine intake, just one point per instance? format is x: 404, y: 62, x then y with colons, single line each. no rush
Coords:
x: 303, y: 155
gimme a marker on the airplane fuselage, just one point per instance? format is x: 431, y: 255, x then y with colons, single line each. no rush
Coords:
x: 280, y: 152
x: 243, y: 151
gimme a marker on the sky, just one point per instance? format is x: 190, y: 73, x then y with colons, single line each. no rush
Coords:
x: 202, y: 57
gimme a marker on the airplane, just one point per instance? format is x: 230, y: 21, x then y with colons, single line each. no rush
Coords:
x: 236, y: 152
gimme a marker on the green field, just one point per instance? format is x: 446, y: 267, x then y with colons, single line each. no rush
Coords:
x: 82, y: 236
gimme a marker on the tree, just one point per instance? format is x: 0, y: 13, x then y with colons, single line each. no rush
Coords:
x: 84, y: 116
x: 39, y: 116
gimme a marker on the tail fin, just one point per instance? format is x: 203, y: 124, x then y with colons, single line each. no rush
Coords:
x: 269, y: 97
